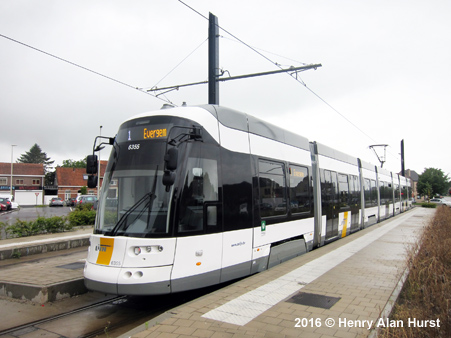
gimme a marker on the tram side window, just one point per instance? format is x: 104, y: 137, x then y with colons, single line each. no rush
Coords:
x: 272, y: 195
x: 367, y: 192
x: 343, y: 188
x: 397, y: 193
x: 373, y: 193
x: 200, y: 186
x: 383, y: 192
x: 404, y: 193
x: 355, y: 191
x: 329, y: 189
x: 299, y: 189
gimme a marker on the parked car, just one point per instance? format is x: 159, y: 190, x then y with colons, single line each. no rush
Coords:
x: 56, y: 202
x: 70, y: 202
x: 440, y: 201
x: 3, y: 207
x: 83, y: 199
x: 5, y: 201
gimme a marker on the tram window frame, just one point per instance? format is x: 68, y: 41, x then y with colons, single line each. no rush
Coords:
x: 199, y: 205
x: 367, y: 192
x: 294, y: 186
x: 272, y: 172
x: 343, y: 190
x: 355, y: 193
x: 329, y: 187
x: 373, y: 193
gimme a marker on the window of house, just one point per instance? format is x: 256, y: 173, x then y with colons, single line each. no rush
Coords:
x: 36, y: 182
x: 3, y: 181
x: 19, y: 182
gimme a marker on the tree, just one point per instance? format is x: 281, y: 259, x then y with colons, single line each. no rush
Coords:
x: 35, y: 155
x: 74, y: 164
x: 434, y: 180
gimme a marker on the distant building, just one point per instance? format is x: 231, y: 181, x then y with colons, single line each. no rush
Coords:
x: 412, y: 174
x: 27, y: 182
x: 70, y: 180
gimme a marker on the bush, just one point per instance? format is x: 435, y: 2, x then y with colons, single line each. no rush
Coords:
x: 426, y: 292
x: 23, y: 228
x: 41, y: 225
x: 82, y: 217
x: 84, y: 207
x: 428, y: 205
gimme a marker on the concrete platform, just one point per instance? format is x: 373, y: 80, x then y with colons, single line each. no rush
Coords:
x: 26, y: 246
x: 340, y: 290
x: 334, y: 291
x: 56, y: 273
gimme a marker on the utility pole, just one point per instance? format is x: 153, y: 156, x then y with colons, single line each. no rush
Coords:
x: 213, y: 60
x: 403, y: 170
x: 214, y: 71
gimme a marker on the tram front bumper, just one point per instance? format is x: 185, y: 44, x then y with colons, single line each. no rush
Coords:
x: 128, y: 281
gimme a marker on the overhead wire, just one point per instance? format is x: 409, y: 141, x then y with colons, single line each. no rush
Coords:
x: 82, y: 67
x: 180, y: 63
x: 279, y: 66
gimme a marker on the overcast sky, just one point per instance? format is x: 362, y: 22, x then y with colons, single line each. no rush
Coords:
x: 385, y: 75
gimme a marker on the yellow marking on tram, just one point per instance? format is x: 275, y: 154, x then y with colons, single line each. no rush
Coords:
x: 345, y: 223
x: 105, y: 251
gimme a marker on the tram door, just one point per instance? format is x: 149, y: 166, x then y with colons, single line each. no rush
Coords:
x: 355, y: 202
x: 330, y: 202
x: 198, y: 252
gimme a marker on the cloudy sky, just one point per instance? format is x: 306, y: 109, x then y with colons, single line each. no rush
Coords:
x: 385, y: 75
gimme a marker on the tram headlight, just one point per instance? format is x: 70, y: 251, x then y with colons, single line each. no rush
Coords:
x: 148, y: 248
x: 160, y: 248
x: 137, y: 250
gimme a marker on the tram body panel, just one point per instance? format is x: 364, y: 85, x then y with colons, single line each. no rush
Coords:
x: 267, y: 234
x: 261, y: 146
x: 197, y: 255
x: 237, y: 252
x: 234, y: 140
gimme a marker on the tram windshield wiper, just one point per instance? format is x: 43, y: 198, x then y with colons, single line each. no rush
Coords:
x: 149, y: 198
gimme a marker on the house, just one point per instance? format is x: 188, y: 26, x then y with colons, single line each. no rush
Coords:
x: 412, y: 174
x: 70, y: 180
x: 26, y: 182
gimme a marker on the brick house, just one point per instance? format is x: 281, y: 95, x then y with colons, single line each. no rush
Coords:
x: 70, y: 180
x: 413, y: 175
x: 27, y: 182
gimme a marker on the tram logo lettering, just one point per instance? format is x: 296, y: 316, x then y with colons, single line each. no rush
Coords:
x: 238, y: 244
x: 102, y: 247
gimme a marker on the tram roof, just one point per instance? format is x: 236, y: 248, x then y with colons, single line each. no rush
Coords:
x: 241, y: 121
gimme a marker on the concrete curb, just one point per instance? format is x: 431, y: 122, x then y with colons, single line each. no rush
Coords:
x: 28, y: 249
x: 43, y: 293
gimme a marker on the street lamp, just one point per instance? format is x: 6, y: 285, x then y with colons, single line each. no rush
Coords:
x: 98, y: 180
x: 11, y: 180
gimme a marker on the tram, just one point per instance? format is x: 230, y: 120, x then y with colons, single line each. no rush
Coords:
x: 196, y: 196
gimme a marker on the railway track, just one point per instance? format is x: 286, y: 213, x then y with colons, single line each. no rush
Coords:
x: 27, y: 328
x: 108, y: 318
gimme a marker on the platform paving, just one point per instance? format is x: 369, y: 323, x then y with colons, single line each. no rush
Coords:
x: 363, y: 273
x: 42, y: 277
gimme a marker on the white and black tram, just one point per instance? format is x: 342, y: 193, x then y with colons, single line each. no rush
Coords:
x: 195, y: 196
